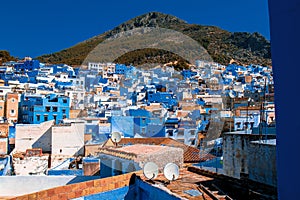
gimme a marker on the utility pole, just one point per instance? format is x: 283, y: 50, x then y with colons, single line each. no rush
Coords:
x: 248, y: 104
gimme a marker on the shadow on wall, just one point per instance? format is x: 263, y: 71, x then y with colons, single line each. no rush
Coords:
x: 44, y: 141
x: 139, y: 189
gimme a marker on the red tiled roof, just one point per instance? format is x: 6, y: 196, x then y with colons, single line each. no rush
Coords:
x: 191, y: 154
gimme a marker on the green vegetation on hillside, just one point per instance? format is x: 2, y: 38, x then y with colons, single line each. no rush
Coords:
x: 5, y: 56
x: 149, y: 55
x: 222, y: 46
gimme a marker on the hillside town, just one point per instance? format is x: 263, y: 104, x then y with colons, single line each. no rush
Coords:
x: 215, y: 122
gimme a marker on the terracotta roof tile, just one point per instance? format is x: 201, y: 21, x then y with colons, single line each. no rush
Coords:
x: 191, y: 154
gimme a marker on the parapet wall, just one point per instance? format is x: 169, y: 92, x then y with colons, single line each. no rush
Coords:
x: 80, y: 189
x: 262, y: 163
x: 236, y: 152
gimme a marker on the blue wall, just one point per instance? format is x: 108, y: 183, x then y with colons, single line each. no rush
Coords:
x: 27, y: 65
x: 136, y: 190
x: 7, y: 166
x: 123, y: 124
x: 162, y: 97
x: 121, y: 69
x: 188, y: 73
x: 37, y: 109
x: 66, y: 172
x: 143, y: 190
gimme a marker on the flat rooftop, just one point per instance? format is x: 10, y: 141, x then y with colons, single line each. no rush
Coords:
x: 140, y: 149
x: 186, y: 181
x: 195, y: 183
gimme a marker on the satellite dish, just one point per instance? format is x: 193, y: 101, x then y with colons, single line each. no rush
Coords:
x: 116, y: 137
x: 171, y: 171
x: 150, y: 170
x: 232, y: 94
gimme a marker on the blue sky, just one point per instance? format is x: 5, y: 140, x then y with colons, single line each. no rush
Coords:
x: 35, y: 27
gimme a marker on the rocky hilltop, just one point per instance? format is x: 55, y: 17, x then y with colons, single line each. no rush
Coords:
x: 223, y: 46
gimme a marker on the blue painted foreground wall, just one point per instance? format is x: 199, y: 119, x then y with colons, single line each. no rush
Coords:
x: 136, y: 190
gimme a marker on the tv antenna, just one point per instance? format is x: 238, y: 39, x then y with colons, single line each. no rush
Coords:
x: 150, y: 170
x: 171, y: 171
x: 116, y: 137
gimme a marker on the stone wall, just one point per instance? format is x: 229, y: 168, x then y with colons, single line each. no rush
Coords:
x: 262, y: 163
x: 30, y: 165
x: 235, y: 152
x: 161, y: 158
x: 169, y: 154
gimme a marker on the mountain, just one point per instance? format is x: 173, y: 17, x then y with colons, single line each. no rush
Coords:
x: 5, y: 56
x: 223, y: 46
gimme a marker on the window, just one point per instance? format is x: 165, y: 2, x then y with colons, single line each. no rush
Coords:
x: 193, y: 142
x: 1, y: 107
x: 45, y: 117
x: 65, y: 100
x: 12, y: 112
x: 63, y: 110
x: 54, y: 109
x: 238, y: 124
x: 38, y: 117
x: 64, y: 116
x: 13, y: 100
x: 48, y: 108
x: 54, y: 117
x: 25, y: 118
x: 24, y: 108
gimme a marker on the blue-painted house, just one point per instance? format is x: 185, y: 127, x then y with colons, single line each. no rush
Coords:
x: 146, y: 124
x: 165, y: 98
x: 123, y: 124
x: 121, y: 69
x: 34, y: 109
x: 188, y: 73
x: 28, y: 65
